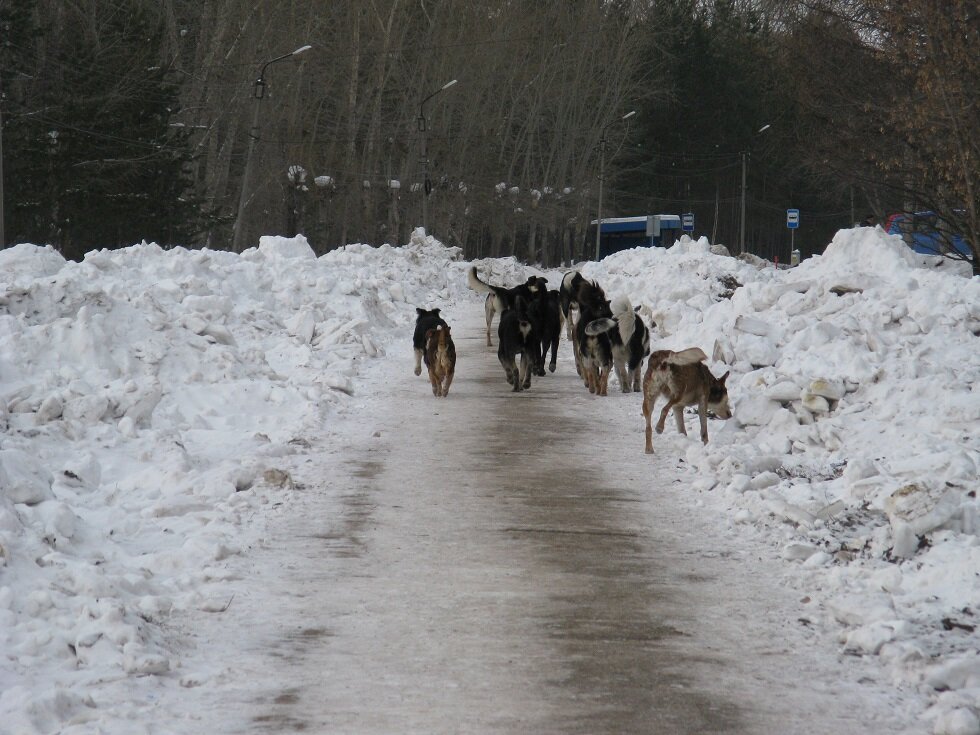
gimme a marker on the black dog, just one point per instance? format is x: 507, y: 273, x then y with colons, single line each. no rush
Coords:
x: 426, y: 320
x: 545, y: 314
x: 573, y: 286
x: 500, y: 298
x: 593, y: 352
x: 516, y: 336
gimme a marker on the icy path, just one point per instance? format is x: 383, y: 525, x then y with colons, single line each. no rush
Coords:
x: 499, y: 563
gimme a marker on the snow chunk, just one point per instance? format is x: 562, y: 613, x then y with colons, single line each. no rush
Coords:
x: 286, y: 247
x: 23, y: 478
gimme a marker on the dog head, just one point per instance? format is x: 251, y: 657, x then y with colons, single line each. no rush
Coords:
x: 718, y: 397
x: 537, y: 284
x: 422, y: 313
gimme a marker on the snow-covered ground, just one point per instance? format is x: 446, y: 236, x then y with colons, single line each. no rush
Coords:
x: 149, y: 396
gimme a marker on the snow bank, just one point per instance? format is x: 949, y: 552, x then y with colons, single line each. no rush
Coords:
x: 147, y: 398
x: 854, y: 443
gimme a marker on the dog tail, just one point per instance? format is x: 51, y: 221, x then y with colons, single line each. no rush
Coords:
x: 598, y: 326
x: 474, y: 282
x: 687, y: 357
x: 621, y: 306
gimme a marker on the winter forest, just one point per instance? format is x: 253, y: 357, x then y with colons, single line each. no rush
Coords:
x: 211, y: 124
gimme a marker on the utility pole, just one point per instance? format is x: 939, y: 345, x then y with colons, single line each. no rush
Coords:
x: 598, y: 213
x: 602, y: 166
x: 3, y: 239
x: 253, y: 134
x: 424, y: 159
x: 741, y: 235
x: 745, y: 156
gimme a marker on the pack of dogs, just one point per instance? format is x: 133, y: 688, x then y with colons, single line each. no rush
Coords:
x: 606, y: 336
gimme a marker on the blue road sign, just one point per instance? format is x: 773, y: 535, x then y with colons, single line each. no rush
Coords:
x: 792, y: 218
x: 687, y: 222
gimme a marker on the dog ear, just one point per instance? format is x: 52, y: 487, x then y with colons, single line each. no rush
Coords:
x: 724, y: 377
x: 435, y: 312
x: 419, y: 311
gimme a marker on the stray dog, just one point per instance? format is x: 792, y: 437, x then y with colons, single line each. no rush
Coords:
x: 440, y: 358
x: 630, y: 340
x: 516, y: 336
x: 593, y: 352
x: 500, y: 298
x: 685, y: 380
x: 426, y: 320
x: 544, y: 313
x: 574, y: 288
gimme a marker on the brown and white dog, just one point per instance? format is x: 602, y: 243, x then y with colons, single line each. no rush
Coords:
x: 684, y: 379
x: 425, y: 320
x: 440, y: 358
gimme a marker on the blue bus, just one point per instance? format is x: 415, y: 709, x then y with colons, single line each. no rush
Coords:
x: 623, y: 233
x: 926, y: 233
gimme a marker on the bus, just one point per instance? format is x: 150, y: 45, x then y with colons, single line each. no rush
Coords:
x: 927, y: 233
x: 624, y: 233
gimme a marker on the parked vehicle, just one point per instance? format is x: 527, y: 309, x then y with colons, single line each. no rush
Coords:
x: 623, y: 233
x: 926, y: 233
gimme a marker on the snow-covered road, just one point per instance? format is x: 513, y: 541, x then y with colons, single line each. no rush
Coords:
x: 501, y: 563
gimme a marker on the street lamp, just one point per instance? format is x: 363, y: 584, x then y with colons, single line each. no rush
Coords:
x: 741, y: 235
x: 602, y: 165
x: 258, y: 92
x: 3, y: 241
x: 424, y: 160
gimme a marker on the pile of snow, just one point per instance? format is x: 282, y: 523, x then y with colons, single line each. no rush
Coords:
x: 855, y: 443
x: 150, y: 400
x: 147, y: 399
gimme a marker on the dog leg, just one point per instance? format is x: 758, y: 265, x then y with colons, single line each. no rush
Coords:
x: 647, y: 413
x: 604, y: 380
x: 434, y: 381
x: 554, y: 355
x: 636, y: 379
x: 448, y: 381
x: 622, y: 373
x: 527, y: 367
x: 508, y: 370
x: 591, y: 378
x: 703, y: 416
x: 418, y: 362
x: 679, y: 419
x: 488, y: 309
x: 663, y: 416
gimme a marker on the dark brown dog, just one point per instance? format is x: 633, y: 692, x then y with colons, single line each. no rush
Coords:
x: 440, y: 358
x: 685, y: 381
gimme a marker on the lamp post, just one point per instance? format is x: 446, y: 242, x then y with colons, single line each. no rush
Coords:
x: 244, y: 197
x: 3, y: 241
x: 424, y: 160
x: 741, y: 235
x: 602, y: 165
